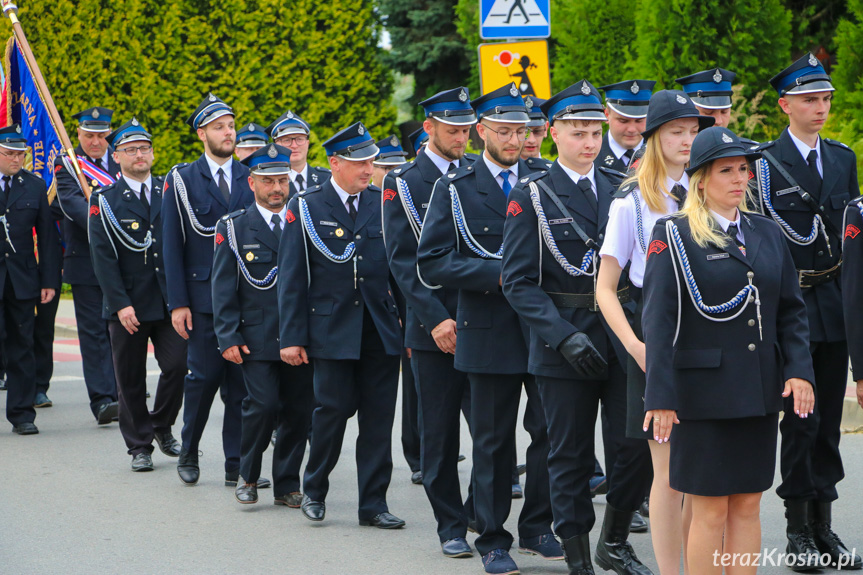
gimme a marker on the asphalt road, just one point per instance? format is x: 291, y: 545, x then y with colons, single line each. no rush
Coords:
x: 69, y: 504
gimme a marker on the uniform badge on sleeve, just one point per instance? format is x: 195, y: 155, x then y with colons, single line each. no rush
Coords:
x: 219, y: 239
x: 94, y: 211
x: 513, y: 209
x: 656, y: 247
x: 389, y: 194
x: 290, y: 217
x: 851, y: 231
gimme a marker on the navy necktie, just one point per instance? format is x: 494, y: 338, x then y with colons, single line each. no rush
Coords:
x: 299, y: 182
x: 812, y: 159
x: 223, y: 186
x: 586, y: 187
x: 352, y: 207
x: 277, y: 226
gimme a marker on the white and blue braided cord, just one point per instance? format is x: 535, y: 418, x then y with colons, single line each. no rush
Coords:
x: 309, y: 226
x: 182, y: 197
x: 125, y: 239
x: 414, y: 218
x: 817, y: 223
x: 742, y: 299
x: 5, y: 223
x: 545, y: 231
x: 639, y: 221
x: 264, y: 284
x: 464, y: 231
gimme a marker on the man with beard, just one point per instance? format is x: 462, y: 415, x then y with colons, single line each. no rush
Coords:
x: 430, y: 328
x: 246, y: 315
x: 98, y: 165
x: 292, y: 132
x: 196, y: 196
x: 626, y: 111
x: 460, y: 248
x: 125, y: 234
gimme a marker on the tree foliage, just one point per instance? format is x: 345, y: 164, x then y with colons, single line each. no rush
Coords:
x: 845, y: 122
x: 157, y: 60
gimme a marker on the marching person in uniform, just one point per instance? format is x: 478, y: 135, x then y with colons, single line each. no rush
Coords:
x: 805, y: 181
x: 246, y: 319
x: 656, y: 188
x: 391, y: 156
x: 250, y: 139
x: 126, y: 247
x: 626, y: 110
x: 336, y: 308
x: 561, y: 215
x: 852, y: 288
x: 292, y: 132
x: 711, y: 92
x: 24, y: 282
x: 726, y: 339
x: 430, y: 328
x: 196, y: 196
x: 460, y: 248
x: 96, y: 161
x: 46, y: 314
x: 537, y: 127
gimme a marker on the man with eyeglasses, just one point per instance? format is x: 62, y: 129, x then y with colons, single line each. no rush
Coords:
x: 126, y: 246
x: 24, y: 281
x: 537, y: 130
x: 97, y: 163
x: 292, y: 132
x: 460, y: 248
x: 196, y: 196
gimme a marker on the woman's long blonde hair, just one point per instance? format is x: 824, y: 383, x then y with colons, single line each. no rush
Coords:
x: 651, y: 174
x: 702, y: 224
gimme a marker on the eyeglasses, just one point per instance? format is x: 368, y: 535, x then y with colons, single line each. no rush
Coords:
x: 541, y: 132
x: 132, y: 152
x: 15, y: 155
x: 291, y: 140
x: 504, y: 135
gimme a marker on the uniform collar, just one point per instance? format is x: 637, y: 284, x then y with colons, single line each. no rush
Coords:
x: 440, y: 163
x: 268, y: 215
x: 804, y: 148
x: 617, y: 149
x: 343, y: 195
x: 304, y: 172
x: 575, y: 176
x: 135, y: 186
x: 496, y: 170
x: 214, y: 168
x: 683, y: 181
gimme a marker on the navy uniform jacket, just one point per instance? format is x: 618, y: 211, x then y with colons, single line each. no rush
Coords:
x: 426, y: 308
x: 242, y: 313
x: 188, y: 255
x: 538, y: 164
x: 129, y: 278
x: 722, y: 370
x: 852, y: 283
x: 317, y: 177
x: 527, y: 278
x: 491, y: 337
x: 607, y: 159
x: 77, y: 266
x: 823, y: 302
x: 321, y: 302
x: 27, y: 208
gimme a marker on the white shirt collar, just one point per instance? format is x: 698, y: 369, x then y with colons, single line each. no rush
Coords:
x: 619, y: 150
x: 305, y: 174
x: 343, y: 195
x: 804, y: 148
x: 136, y: 186
x: 440, y: 163
x: 670, y: 183
x: 268, y: 215
x: 575, y: 176
x: 496, y: 170
x: 214, y: 168
x: 724, y: 223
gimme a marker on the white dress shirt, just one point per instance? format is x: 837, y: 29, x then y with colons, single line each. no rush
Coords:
x: 496, y: 170
x: 135, y: 186
x: 343, y: 196
x: 442, y: 164
x: 214, y: 169
x: 805, y: 149
x: 268, y: 215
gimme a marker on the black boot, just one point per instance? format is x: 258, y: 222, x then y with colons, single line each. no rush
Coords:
x: 613, y: 551
x: 800, y: 541
x: 187, y: 467
x: 576, y: 553
x: 827, y: 541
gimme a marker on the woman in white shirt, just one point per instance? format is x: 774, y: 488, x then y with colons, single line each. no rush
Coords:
x: 657, y: 187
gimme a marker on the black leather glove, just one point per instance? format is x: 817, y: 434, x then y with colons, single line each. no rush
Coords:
x: 580, y: 353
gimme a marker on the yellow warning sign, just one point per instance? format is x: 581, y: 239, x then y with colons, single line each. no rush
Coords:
x: 525, y: 63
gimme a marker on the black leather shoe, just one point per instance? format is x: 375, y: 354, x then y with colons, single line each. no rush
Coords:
x: 292, y: 500
x: 828, y: 542
x: 517, y: 491
x: 246, y: 493
x: 613, y: 551
x: 231, y: 478
x: 167, y: 444
x: 264, y: 483
x: 456, y: 548
x: 638, y: 524
x: 383, y: 520
x: 461, y: 457
x: 142, y: 462
x: 417, y: 477
x: 645, y: 507
x: 26, y: 428
x: 801, y: 543
x: 42, y: 400
x: 313, y: 510
x: 107, y: 412
x: 187, y: 467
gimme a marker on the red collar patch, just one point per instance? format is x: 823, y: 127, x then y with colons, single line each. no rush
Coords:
x: 513, y: 209
x: 389, y: 194
x: 656, y: 247
x: 851, y: 231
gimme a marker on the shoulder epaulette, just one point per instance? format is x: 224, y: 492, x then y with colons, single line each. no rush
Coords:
x: 401, y: 170
x: 233, y: 215
x: 835, y: 143
x: 311, y: 190
x: 527, y: 178
x: 320, y: 169
x: 758, y: 214
x: 471, y: 157
x: 764, y: 145
x: 541, y: 163
x: 457, y: 173
x: 751, y: 144
x: 624, y: 191
x: 669, y: 217
x: 611, y: 173
x: 373, y: 188
x: 104, y: 189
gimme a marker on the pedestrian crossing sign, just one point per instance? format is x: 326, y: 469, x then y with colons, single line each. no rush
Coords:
x: 525, y: 63
x: 500, y: 19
